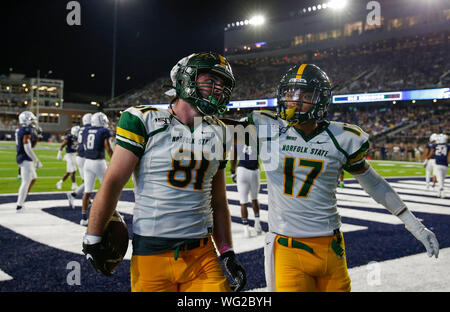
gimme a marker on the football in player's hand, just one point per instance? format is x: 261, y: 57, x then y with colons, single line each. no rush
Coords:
x: 115, y: 241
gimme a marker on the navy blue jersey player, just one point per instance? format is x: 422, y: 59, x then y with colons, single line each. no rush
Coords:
x: 441, y: 152
x: 95, y: 141
x: 86, y: 120
x: 71, y: 144
x: 246, y: 177
x: 26, y: 139
x: 430, y: 161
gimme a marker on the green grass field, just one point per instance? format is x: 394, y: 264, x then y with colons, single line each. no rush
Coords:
x: 53, y: 169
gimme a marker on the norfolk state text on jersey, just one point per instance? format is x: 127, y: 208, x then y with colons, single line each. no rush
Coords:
x: 304, y: 149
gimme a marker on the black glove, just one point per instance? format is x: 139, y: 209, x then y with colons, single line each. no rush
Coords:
x: 235, y: 269
x: 97, y: 255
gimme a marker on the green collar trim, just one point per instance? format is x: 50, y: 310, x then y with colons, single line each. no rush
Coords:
x: 320, y: 128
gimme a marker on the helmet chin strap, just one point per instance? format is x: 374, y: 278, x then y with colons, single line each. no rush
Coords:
x: 213, y: 100
x: 289, y: 115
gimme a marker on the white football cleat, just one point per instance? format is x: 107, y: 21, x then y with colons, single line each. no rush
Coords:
x: 84, y: 222
x: 247, y: 232
x: 59, y: 185
x: 258, y: 227
x: 71, y: 200
x: 74, y: 186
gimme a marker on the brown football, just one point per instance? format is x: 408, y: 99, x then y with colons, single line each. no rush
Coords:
x: 115, y: 240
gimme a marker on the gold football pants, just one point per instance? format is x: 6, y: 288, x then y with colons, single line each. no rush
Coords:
x: 310, y: 264
x: 196, y: 270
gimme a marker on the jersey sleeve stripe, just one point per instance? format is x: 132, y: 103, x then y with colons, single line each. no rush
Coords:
x: 138, y: 151
x: 118, y: 137
x: 359, y: 154
x: 130, y: 135
x: 356, y: 166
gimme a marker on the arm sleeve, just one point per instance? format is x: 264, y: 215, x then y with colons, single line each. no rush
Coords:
x: 29, y: 151
x: 380, y: 190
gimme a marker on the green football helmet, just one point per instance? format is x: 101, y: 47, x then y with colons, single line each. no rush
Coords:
x: 187, y: 87
x: 300, y: 79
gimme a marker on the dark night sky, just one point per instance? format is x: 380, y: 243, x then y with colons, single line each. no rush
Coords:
x: 152, y: 35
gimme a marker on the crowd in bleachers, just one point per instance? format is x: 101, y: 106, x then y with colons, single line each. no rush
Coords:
x: 418, y: 62
x: 8, y: 122
x: 390, y: 65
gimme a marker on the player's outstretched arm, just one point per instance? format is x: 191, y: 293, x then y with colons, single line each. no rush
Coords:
x: 116, y: 176
x: 381, y: 191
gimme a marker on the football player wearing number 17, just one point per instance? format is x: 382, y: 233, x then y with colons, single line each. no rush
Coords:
x: 180, y: 196
x: 304, y: 248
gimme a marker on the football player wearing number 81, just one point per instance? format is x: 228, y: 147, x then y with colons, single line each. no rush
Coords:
x: 304, y: 248
x: 180, y: 197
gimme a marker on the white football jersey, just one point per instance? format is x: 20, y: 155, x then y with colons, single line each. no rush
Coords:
x: 303, y: 172
x: 173, y: 180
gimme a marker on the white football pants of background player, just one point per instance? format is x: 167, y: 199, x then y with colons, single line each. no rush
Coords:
x: 440, y: 171
x: 429, y: 171
x: 71, y: 164
x: 93, y: 168
x: 80, y: 163
x: 27, y: 174
x: 247, y: 182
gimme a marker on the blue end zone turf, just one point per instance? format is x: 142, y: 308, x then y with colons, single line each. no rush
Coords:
x: 38, y: 267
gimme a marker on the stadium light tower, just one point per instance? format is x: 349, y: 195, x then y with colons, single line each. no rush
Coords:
x: 113, y: 79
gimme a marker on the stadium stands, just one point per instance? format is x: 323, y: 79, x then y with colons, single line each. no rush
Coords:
x: 407, y: 63
x: 417, y: 62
